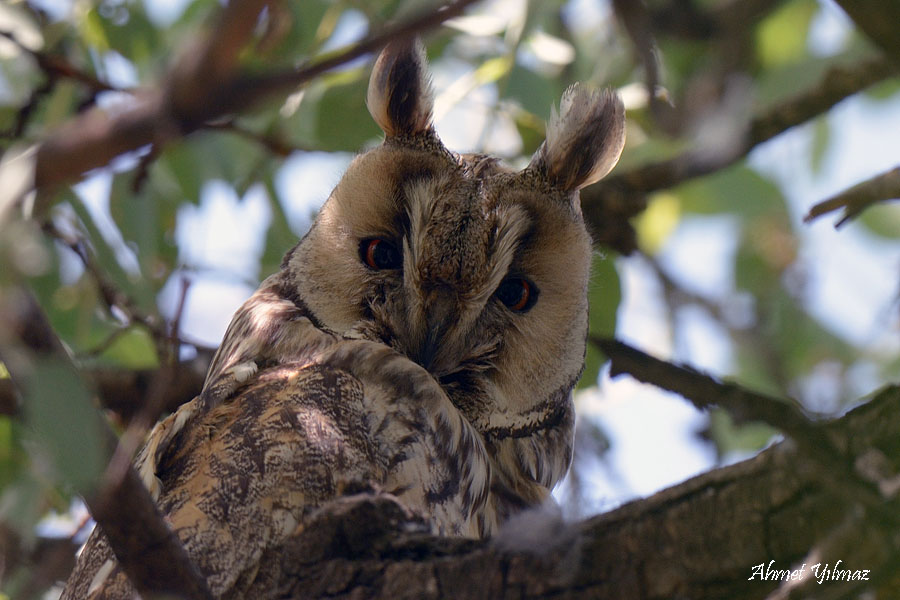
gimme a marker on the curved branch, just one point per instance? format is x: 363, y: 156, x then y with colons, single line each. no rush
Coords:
x: 198, y: 90
x: 628, y: 189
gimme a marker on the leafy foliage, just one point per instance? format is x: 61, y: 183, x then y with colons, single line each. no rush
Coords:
x: 499, y: 70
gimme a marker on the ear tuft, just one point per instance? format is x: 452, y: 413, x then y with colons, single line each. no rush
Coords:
x: 584, y: 140
x: 399, y: 96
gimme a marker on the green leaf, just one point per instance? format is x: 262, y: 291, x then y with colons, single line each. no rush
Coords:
x: 60, y: 105
x: 730, y: 438
x: 132, y: 349
x: 93, y: 31
x: 658, y: 221
x: 71, y: 307
x: 882, y: 219
x: 789, y: 344
x: 209, y: 155
x: 332, y: 115
x: 531, y: 130
x: 22, y: 504
x: 280, y: 237
x: 885, y: 91
x: 534, y: 93
x: 302, y: 35
x: 125, y: 28
x: 60, y: 412
x: 821, y: 136
x: 604, y: 296
x: 781, y: 36
x: 132, y: 285
x: 737, y: 190
x: 780, y: 82
x: 146, y: 220
x: 342, y: 121
x: 13, y: 458
x: 767, y: 248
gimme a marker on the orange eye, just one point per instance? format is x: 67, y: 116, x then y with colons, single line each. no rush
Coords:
x: 379, y: 254
x: 517, y: 294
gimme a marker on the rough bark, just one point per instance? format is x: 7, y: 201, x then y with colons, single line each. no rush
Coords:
x: 701, y: 539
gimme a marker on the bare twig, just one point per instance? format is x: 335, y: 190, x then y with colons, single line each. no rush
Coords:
x: 114, y: 299
x: 882, y: 187
x: 751, y: 337
x: 154, y: 402
x: 175, y: 326
x: 636, y: 18
x: 55, y: 66
x: 249, y: 89
x: 123, y: 391
x: 105, y: 344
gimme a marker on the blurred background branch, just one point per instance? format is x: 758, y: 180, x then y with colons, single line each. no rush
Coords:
x: 880, y: 188
x: 203, y: 86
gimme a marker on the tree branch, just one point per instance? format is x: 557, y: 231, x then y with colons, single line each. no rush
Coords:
x: 122, y: 391
x: 702, y: 390
x: 816, y: 446
x: 146, y: 548
x: 199, y: 90
x: 885, y: 186
x: 625, y: 192
x: 878, y: 21
x: 683, y: 542
x: 57, y: 66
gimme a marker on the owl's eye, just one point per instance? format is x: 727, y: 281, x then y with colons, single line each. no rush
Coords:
x: 379, y: 254
x: 517, y: 294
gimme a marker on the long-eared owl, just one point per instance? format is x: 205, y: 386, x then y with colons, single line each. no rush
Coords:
x: 424, y: 337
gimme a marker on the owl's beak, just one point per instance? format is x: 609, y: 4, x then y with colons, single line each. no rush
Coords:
x: 440, y: 310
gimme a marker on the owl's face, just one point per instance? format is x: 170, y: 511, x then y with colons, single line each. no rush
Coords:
x: 476, y: 272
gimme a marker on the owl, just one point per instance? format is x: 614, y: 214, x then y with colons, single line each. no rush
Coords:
x: 422, y: 339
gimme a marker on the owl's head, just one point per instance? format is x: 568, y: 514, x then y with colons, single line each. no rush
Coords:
x: 477, y: 272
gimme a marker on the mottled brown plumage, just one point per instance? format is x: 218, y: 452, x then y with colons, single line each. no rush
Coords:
x: 424, y: 338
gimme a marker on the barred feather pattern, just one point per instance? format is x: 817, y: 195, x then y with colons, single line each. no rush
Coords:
x: 267, y: 329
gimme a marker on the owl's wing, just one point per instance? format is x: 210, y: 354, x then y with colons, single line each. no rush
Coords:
x: 243, y: 476
x: 239, y: 479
